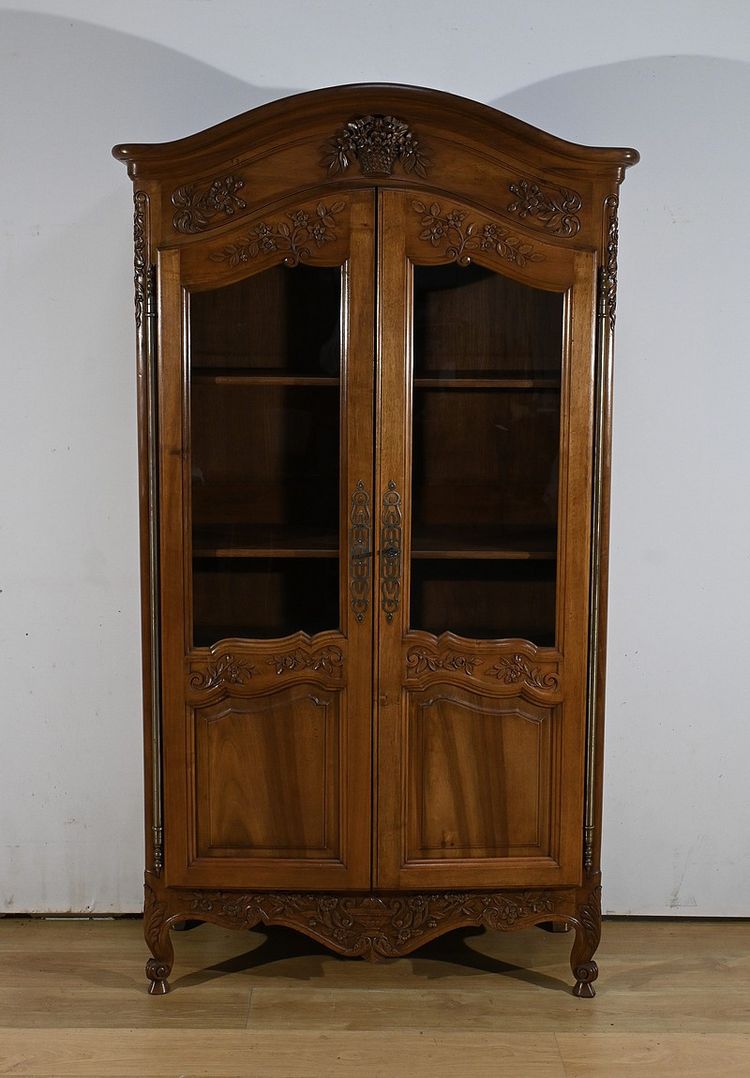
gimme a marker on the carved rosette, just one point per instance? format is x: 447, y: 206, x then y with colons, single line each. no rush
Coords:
x: 359, y: 545
x: 330, y: 660
x: 457, y: 237
x: 377, y: 143
x: 197, y: 207
x: 227, y: 670
x: 296, y: 235
x: 556, y: 210
x: 374, y: 926
x: 609, y: 269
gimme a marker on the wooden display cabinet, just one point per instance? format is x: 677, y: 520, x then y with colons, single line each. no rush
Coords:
x: 374, y: 334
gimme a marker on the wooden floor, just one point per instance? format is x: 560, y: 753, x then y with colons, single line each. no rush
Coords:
x: 673, y: 998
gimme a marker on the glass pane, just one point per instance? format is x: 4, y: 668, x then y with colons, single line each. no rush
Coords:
x: 265, y: 393
x: 485, y: 454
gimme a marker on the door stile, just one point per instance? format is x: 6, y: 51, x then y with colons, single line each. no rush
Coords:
x: 393, y: 481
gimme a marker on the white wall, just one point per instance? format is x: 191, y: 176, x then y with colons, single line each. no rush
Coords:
x: 671, y: 79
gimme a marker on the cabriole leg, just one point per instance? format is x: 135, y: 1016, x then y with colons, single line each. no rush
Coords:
x: 156, y: 932
x: 588, y: 927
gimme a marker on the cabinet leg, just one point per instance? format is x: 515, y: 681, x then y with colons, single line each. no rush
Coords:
x: 156, y: 932
x: 588, y: 927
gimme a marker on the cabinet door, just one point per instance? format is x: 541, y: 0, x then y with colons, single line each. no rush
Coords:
x: 266, y: 383
x: 483, y: 481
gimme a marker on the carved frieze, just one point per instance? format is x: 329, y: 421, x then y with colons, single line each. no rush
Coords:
x: 330, y: 660
x: 227, y: 670
x: 555, y: 209
x: 376, y: 143
x: 517, y: 670
x: 457, y: 237
x: 296, y: 234
x: 421, y: 661
x: 197, y: 207
x: 376, y: 926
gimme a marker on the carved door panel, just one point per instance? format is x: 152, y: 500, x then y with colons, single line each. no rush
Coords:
x: 266, y: 388
x: 483, y: 517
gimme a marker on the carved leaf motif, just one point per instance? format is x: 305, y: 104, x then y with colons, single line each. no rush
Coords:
x: 140, y: 260
x: 609, y: 269
x: 450, y: 231
x: 305, y: 227
x: 329, y: 660
x: 227, y: 670
x: 377, y: 143
x: 557, y: 210
x: 197, y: 207
x: 516, y: 670
x: 421, y: 661
x: 373, y: 925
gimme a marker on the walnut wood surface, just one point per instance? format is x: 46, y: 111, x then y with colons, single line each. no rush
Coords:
x: 280, y: 771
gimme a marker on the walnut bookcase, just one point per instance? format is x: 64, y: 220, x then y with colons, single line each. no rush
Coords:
x: 374, y: 343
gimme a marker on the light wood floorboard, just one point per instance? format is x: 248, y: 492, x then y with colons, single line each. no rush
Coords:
x: 673, y: 999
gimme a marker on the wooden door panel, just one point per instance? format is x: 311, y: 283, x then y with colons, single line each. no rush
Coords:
x: 478, y: 776
x: 247, y: 751
x: 266, y: 388
x: 484, y: 444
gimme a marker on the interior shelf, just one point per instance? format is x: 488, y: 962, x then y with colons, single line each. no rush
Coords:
x: 484, y: 379
x: 512, y: 544
x: 261, y: 376
x: 261, y: 541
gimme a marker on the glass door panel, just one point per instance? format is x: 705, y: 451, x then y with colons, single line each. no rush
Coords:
x: 265, y: 454
x: 485, y: 454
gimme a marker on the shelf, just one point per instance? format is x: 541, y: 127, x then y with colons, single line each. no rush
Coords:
x: 238, y: 376
x: 482, y: 379
x: 481, y: 544
x: 253, y: 541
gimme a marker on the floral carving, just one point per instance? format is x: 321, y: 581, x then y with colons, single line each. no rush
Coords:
x: 421, y: 661
x: 227, y: 670
x: 140, y: 259
x: 556, y: 210
x: 330, y: 660
x: 197, y: 207
x: 458, y: 238
x: 373, y: 925
x: 588, y: 934
x: 516, y: 670
x: 377, y: 143
x: 609, y: 269
x: 295, y: 235
x: 360, y: 552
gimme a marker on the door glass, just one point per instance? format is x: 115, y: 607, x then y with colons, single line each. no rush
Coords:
x: 486, y: 437
x: 265, y: 389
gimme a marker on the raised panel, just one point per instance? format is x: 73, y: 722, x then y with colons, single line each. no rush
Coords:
x: 480, y: 781
x: 266, y: 775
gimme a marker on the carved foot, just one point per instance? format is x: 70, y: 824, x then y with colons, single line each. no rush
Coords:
x: 157, y: 973
x: 585, y: 975
x: 156, y: 931
x: 588, y: 926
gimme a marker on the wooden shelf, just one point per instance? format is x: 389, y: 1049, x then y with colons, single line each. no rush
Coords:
x: 484, y: 379
x: 253, y: 541
x: 237, y: 376
x: 478, y: 544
